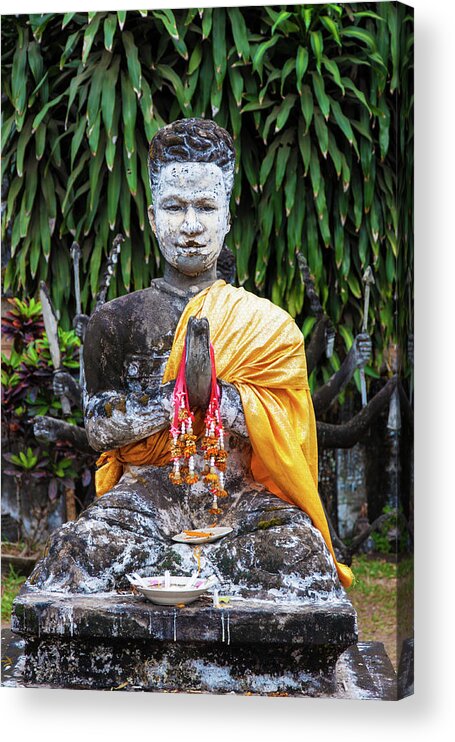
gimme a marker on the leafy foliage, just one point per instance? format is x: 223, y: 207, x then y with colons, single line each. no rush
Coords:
x: 316, y: 96
x: 26, y: 392
x: 11, y: 584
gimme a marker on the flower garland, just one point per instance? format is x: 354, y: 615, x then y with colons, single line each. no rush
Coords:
x: 183, y: 440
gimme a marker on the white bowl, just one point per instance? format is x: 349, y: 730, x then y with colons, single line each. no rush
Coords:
x: 177, y: 594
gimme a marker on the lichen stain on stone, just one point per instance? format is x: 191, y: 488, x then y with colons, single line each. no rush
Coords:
x: 263, y: 525
x: 108, y: 409
x: 121, y: 405
x: 144, y: 400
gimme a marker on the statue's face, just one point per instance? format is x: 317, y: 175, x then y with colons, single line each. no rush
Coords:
x: 190, y: 216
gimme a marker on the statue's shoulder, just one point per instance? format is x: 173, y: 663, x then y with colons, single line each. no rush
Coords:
x: 123, y: 308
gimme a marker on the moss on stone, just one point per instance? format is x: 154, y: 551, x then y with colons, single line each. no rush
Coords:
x: 170, y: 560
x: 263, y: 525
x: 108, y: 409
x: 144, y: 399
x: 121, y: 405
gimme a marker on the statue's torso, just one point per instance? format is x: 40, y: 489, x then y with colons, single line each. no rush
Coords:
x: 130, y: 339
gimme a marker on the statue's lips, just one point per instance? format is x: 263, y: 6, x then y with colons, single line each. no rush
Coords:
x: 191, y: 248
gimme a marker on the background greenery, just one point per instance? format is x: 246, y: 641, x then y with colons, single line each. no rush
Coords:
x: 318, y: 99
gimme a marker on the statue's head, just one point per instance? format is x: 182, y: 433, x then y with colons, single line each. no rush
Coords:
x: 191, y: 168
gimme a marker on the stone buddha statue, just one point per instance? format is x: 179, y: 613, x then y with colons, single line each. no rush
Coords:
x: 280, y: 545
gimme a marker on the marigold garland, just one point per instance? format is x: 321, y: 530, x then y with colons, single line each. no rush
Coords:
x: 184, y: 442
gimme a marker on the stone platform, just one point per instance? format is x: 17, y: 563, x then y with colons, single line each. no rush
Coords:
x: 112, y: 640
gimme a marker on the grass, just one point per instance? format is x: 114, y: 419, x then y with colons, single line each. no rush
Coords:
x: 11, y: 584
x: 383, y: 598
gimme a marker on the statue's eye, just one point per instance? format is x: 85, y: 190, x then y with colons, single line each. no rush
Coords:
x: 207, y: 207
x: 172, y: 207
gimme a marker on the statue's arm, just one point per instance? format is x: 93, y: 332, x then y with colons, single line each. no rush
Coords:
x: 113, y: 415
x: 231, y: 409
x: 317, y: 344
x: 348, y: 434
x: 358, y: 356
x: 114, y: 419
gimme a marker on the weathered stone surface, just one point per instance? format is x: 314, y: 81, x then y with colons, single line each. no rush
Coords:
x: 132, y: 618
x: 98, y: 641
x: 353, y: 677
x: 274, y: 552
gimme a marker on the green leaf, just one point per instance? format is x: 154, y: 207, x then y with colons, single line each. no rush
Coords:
x: 317, y: 44
x: 40, y: 141
x: 354, y: 32
x: 134, y: 66
x: 307, y: 105
x: 335, y: 154
x: 168, y: 19
x: 322, y: 133
x: 35, y: 60
x: 283, y: 16
x: 290, y: 185
x: 207, y: 18
x: 96, y: 86
x: 66, y: 19
x: 219, y: 44
x: 110, y: 25
x: 125, y: 208
x: 24, y: 138
x: 114, y: 183
x: 129, y: 112
x: 108, y: 94
x: 89, y: 37
x: 301, y: 64
x: 240, y: 33
x: 284, y: 111
x: 315, y: 172
x: 176, y: 83
x: 13, y: 192
x: 384, y: 127
x: 121, y: 16
x: 347, y: 82
x: 321, y: 97
x: 344, y: 124
x: 195, y: 59
x: 41, y: 115
x: 261, y: 51
x: 146, y: 104
x: 331, y: 27
x: 19, y: 77
x: 94, y: 135
x: 305, y: 146
x: 334, y: 70
x: 288, y: 67
x: 281, y: 162
x: 130, y: 164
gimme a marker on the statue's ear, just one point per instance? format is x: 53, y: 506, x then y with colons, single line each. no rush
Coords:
x: 151, y: 216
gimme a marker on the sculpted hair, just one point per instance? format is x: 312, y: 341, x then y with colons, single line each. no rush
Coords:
x: 192, y: 140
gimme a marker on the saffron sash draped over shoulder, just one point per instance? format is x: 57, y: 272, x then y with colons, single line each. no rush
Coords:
x: 260, y: 350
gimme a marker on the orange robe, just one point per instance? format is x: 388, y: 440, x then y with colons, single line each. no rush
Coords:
x: 260, y: 350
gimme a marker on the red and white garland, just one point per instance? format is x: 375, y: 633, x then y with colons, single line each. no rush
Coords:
x: 183, y: 440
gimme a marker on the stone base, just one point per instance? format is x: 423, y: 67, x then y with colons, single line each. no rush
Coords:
x: 112, y: 641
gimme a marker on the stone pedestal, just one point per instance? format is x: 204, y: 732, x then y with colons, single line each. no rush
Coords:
x: 112, y: 640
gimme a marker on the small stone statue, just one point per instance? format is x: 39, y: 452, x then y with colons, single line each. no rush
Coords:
x: 132, y: 351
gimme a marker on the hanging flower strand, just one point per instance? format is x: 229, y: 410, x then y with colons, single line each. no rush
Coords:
x: 183, y: 440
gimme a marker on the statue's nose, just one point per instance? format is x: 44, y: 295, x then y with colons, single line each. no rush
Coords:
x: 191, y: 224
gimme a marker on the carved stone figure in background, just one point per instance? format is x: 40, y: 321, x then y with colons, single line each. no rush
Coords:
x: 133, y: 344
